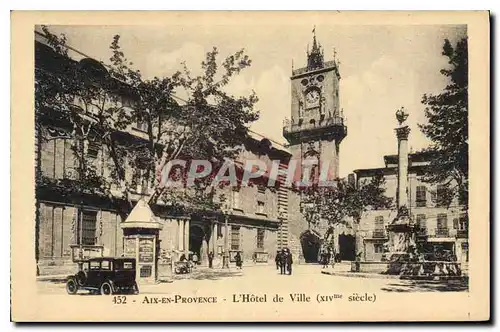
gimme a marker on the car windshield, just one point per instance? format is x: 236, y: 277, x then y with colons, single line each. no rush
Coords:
x: 124, y: 265
x: 106, y: 265
x: 95, y: 265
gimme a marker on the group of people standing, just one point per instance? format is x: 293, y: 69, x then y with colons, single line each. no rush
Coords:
x: 284, y: 261
x: 327, y: 256
x: 193, y: 260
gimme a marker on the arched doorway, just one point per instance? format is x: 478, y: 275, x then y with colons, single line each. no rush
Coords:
x: 311, y: 244
x: 196, y: 236
x: 347, y: 247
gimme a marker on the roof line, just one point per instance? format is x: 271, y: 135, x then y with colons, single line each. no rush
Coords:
x: 173, y: 95
x: 252, y: 131
x: 69, y: 47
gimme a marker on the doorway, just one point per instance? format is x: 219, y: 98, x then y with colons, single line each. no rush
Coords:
x: 196, y: 235
x: 311, y: 244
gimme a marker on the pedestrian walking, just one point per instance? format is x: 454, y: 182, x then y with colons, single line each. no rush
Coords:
x: 332, y: 259
x: 239, y: 261
x: 322, y: 259
x: 277, y: 260
x: 337, y: 258
x: 282, y: 261
x: 289, y: 262
x: 195, y: 260
x: 210, y: 259
x: 328, y: 257
x: 190, y: 263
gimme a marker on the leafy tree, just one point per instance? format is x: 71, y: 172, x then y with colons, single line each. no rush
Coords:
x: 101, y: 104
x: 343, y: 202
x: 447, y: 127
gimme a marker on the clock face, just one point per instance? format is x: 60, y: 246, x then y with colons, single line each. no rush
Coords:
x: 312, y: 97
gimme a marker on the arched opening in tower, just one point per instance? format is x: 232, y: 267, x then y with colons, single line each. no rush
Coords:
x: 347, y: 247
x: 196, y: 236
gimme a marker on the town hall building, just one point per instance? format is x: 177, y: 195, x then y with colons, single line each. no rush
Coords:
x: 256, y: 221
x: 314, y: 133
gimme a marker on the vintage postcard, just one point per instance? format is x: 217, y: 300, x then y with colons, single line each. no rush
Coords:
x: 250, y: 166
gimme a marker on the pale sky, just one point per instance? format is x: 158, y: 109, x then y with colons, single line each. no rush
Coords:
x: 382, y: 69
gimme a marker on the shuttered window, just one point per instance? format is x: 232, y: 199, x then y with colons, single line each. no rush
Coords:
x: 441, y: 196
x: 86, y: 232
x: 59, y: 159
x: 421, y: 199
x: 261, y: 233
x: 421, y: 221
x: 235, y: 237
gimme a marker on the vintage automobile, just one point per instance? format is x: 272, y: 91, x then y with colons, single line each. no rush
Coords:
x: 105, y: 276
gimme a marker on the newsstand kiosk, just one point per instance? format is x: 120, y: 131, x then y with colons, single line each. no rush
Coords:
x: 140, y: 241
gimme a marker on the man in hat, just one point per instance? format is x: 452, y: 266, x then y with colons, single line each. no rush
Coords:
x: 288, y: 261
x: 277, y: 260
x: 210, y: 259
x: 282, y: 261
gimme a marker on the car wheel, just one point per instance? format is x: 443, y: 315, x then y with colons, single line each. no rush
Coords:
x: 135, y: 288
x: 81, y: 278
x: 71, y: 286
x: 106, y: 288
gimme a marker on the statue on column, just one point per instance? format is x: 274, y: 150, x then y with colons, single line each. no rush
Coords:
x: 401, y: 116
x: 400, y: 230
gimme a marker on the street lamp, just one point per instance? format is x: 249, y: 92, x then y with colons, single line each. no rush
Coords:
x: 225, y: 254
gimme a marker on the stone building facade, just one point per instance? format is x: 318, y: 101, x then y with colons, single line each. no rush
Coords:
x: 442, y: 226
x: 256, y: 220
x: 314, y: 133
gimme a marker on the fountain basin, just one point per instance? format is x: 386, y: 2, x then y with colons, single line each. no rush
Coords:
x: 370, y: 267
x: 424, y: 270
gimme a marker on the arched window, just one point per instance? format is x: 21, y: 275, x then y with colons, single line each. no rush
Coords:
x: 311, y: 165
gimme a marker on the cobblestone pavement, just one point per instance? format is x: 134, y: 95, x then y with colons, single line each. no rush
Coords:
x: 266, y: 279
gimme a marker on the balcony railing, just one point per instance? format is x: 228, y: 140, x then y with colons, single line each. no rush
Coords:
x: 442, y: 232
x: 379, y: 234
x: 421, y: 203
x: 422, y: 232
x: 294, y: 125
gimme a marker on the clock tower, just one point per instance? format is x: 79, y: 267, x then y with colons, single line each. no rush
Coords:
x: 316, y: 127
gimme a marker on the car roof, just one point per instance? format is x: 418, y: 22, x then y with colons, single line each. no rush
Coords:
x: 111, y: 258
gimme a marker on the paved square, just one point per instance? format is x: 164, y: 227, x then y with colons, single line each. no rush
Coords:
x: 266, y: 279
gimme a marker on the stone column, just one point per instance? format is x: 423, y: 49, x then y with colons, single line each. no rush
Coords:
x: 204, y: 250
x: 402, y: 135
x: 225, y: 260
x: 214, y: 238
x: 400, y: 233
x: 186, y: 237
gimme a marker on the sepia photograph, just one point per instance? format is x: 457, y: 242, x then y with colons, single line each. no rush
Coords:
x: 224, y: 165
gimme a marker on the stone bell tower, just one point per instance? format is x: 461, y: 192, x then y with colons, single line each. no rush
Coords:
x: 316, y: 127
x: 314, y: 133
